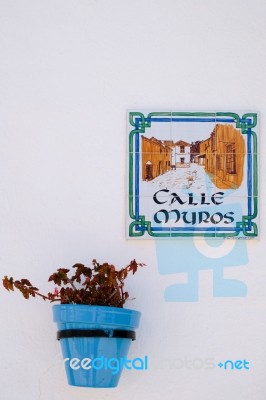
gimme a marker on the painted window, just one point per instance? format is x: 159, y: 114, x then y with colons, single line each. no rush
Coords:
x: 230, y: 159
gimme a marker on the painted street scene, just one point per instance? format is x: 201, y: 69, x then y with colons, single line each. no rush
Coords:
x: 192, y: 178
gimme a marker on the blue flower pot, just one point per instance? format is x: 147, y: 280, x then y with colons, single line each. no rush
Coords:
x: 95, y: 341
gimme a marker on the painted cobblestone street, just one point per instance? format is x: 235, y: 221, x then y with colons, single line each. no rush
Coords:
x: 193, y: 178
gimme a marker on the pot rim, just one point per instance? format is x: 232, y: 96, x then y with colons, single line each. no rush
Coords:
x: 96, y: 315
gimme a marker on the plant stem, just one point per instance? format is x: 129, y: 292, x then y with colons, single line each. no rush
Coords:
x: 72, y: 284
x: 42, y: 295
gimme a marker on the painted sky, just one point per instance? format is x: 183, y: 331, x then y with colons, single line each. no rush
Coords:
x: 187, y: 131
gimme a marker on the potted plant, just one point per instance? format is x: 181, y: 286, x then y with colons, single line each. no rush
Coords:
x: 94, y: 329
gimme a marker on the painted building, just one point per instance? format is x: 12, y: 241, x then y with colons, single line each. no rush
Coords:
x: 204, y: 155
x: 194, y: 151
x: 181, y: 154
x: 156, y: 158
x: 222, y: 155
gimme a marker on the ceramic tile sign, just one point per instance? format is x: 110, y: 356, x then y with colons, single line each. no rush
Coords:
x: 192, y: 174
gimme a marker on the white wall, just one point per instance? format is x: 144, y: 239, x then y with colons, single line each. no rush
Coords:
x: 68, y: 71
